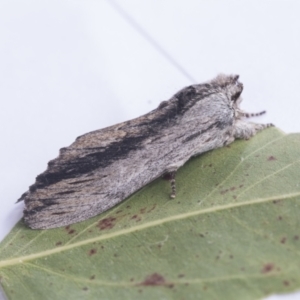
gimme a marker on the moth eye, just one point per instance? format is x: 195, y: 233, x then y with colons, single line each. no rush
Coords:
x: 235, y: 96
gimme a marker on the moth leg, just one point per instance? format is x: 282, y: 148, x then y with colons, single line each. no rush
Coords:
x: 244, y: 130
x: 173, y: 185
x: 170, y: 176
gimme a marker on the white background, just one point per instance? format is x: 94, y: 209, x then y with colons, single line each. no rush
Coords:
x: 69, y: 67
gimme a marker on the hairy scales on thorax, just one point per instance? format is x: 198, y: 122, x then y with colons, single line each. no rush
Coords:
x: 103, y: 167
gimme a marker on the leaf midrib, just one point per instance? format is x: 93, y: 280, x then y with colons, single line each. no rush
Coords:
x: 217, y: 208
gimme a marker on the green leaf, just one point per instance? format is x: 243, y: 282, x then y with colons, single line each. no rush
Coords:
x: 233, y: 232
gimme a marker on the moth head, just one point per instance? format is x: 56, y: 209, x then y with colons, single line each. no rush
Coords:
x: 235, y: 89
x: 231, y: 86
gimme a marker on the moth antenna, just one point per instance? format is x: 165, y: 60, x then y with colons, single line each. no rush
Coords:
x: 249, y: 115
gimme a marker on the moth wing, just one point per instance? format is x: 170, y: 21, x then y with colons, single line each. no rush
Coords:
x: 80, y: 183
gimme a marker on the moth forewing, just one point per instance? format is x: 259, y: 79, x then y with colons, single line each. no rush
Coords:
x: 103, y: 167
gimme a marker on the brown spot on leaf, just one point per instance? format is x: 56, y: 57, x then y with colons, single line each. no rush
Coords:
x: 58, y: 243
x: 134, y: 217
x: 232, y: 188
x: 241, y: 185
x: 152, y: 208
x: 271, y: 158
x: 283, y: 240
x: 231, y: 256
x: 296, y: 237
x: 180, y: 275
x: 67, y: 227
x: 71, y: 231
x: 143, y: 210
x: 92, y: 277
x: 267, y: 268
x: 106, y: 223
x: 85, y: 288
x: 154, y: 279
x: 279, y: 218
x: 93, y: 251
x: 224, y: 192
x: 286, y: 283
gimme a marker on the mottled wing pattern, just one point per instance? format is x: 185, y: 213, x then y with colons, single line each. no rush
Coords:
x: 103, y: 167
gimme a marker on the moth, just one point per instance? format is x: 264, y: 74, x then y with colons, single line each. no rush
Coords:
x: 103, y: 167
